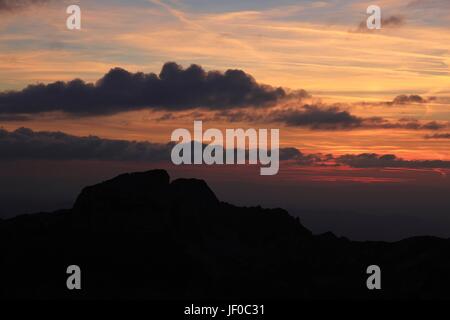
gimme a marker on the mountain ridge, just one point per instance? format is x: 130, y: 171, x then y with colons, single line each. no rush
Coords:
x: 140, y: 235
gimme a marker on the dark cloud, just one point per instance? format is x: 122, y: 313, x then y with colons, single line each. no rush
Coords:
x: 25, y: 143
x: 311, y: 116
x: 438, y: 136
x: 237, y: 116
x: 299, y: 158
x: 405, y: 99
x: 393, y: 21
x: 407, y: 124
x: 315, y: 117
x: 364, y: 160
x: 323, y: 117
x: 431, y: 125
x: 173, y: 89
x: 373, y: 160
x: 399, y: 100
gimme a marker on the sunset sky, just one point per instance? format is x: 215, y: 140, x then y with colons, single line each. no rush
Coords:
x: 365, y: 109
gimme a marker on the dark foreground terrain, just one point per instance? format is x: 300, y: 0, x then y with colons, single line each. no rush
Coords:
x: 141, y: 236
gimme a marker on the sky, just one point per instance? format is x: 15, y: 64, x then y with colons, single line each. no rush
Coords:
x: 364, y: 115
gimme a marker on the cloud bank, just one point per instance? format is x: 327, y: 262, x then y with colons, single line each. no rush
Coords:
x: 26, y: 144
x: 173, y: 89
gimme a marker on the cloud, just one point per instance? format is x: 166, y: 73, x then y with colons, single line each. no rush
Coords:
x: 299, y: 158
x: 390, y: 22
x: 25, y: 143
x: 373, y: 160
x: 316, y: 117
x: 117, y: 91
x: 399, y: 100
x: 393, y: 21
x: 323, y: 117
x: 14, y: 5
x: 363, y: 160
x: 407, y: 124
x: 438, y: 136
x: 405, y: 99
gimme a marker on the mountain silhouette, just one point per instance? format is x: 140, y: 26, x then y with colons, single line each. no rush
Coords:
x: 141, y: 236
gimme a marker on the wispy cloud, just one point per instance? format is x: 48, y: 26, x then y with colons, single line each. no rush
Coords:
x: 15, y: 5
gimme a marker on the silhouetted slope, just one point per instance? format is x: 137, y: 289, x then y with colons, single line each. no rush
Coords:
x: 141, y: 236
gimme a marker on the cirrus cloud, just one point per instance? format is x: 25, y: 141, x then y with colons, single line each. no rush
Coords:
x: 14, y: 5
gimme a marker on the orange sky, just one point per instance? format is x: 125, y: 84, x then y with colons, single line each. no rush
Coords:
x: 314, y: 46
